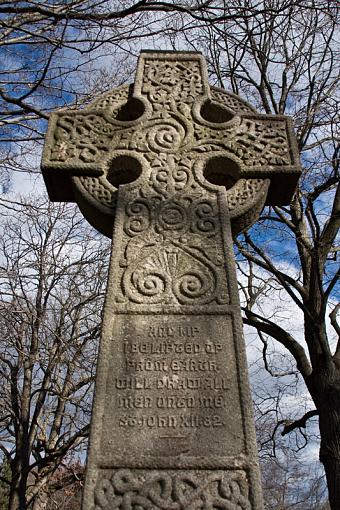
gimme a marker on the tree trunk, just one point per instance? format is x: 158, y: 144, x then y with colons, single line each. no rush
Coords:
x: 328, y: 404
x: 332, y: 469
x: 14, y: 498
x: 19, y: 467
x: 17, y: 497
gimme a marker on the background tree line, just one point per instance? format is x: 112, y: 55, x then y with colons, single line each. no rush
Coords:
x: 283, y: 57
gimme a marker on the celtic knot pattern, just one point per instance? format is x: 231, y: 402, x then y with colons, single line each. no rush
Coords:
x: 112, y: 101
x: 173, y: 490
x: 243, y: 192
x: 233, y: 102
x: 98, y: 189
x: 166, y: 82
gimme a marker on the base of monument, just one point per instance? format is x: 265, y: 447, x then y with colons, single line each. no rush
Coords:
x: 172, y: 490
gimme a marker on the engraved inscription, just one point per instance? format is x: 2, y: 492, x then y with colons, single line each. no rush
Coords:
x: 175, y: 378
x: 175, y: 365
x: 161, y: 421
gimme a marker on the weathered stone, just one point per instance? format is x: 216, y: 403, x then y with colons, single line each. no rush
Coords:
x: 169, y: 170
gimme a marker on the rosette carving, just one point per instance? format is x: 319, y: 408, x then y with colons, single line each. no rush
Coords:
x: 172, y: 217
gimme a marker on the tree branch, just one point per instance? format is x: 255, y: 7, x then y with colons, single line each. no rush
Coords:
x: 270, y: 328
x: 301, y: 423
x: 24, y: 106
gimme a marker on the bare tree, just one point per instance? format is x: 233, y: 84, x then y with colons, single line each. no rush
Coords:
x: 287, y: 484
x: 289, y: 64
x: 52, y: 271
x: 58, y: 52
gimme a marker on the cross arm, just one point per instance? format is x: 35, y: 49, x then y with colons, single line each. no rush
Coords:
x: 277, y: 155
x: 77, y: 143
x: 262, y: 146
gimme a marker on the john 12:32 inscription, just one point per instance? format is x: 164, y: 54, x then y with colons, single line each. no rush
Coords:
x: 172, y: 391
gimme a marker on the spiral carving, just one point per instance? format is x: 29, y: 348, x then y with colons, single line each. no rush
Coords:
x: 171, y: 273
x: 181, y: 178
x: 170, y: 176
x: 191, y: 285
x: 166, y: 136
x: 172, y: 217
x: 205, y: 217
x: 138, y: 217
x: 150, y: 284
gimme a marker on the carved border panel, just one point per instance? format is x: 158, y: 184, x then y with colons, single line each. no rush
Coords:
x: 172, y: 490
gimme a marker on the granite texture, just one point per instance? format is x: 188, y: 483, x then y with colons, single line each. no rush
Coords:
x: 171, y: 169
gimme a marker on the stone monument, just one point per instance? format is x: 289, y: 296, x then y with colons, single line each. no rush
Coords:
x: 170, y: 168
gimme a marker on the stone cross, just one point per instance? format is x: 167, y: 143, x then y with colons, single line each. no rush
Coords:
x: 169, y: 169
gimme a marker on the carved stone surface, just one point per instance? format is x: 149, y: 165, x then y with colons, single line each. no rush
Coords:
x: 172, y: 113
x: 170, y: 169
x: 172, y: 490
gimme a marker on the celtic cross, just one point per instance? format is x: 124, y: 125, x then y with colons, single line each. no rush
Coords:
x: 170, y: 169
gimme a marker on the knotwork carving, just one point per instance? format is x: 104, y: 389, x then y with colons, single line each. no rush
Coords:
x: 172, y: 490
x: 166, y: 82
x: 233, y: 102
x: 251, y: 142
x: 82, y: 137
x: 99, y: 190
x: 243, y: 193
x: 112, y: 101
